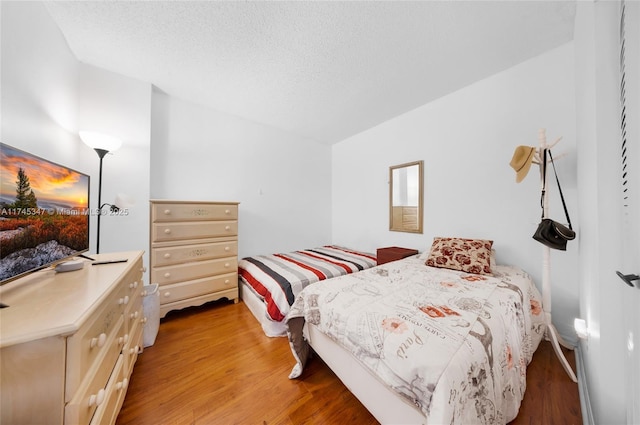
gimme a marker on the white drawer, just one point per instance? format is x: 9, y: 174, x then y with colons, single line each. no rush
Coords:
x: 132, y: 348
x: 107, y: 412
x: 91, y: 393
x: 133, y: 317
x: 193, y: 252
x: 198, y: 269
x: 133, y: 282
x: 194, y: 288
x: 90, y: 344
x: 193, y: 211
x: 164, y: 232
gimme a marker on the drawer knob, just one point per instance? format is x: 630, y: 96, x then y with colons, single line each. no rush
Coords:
x: 167, y: 294
x: 227, y: 212
x: 167, y: 212
x: 123, y: 339
x: 226, y: 248
x: 134, y: 315
x: 226, y: 281
x: 143, y: 269
x: 97, y: 399
x: 124, y: 300
x: 227, y: 227
x: 144, y: 320
x: 133, y: 350
x: 99, y: 341
x: 167, y: 275
x: 133, y: 285
x: 122, y: 384
x: 167, y: 231
x: 167, y: 255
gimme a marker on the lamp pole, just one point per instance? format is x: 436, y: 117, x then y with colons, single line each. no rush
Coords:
x: 101, y: 154
x: 102, y: 144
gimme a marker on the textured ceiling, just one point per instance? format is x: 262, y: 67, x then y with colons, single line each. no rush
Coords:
x: 323, y: 70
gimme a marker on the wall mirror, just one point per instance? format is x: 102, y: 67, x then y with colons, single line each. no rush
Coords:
x: 405, y: 197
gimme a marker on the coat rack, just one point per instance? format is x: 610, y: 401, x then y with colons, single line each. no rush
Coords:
x: 551, y: 334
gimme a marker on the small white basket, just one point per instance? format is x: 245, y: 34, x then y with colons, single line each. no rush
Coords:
x: 151, y: 310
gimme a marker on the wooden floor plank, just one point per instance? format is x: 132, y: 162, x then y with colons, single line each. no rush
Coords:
x: 214, y: 365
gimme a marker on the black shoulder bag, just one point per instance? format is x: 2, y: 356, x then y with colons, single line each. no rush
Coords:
x: 549, y: 232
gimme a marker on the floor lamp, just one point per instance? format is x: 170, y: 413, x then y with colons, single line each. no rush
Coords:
x: 523, y: 157
x: 102, y: 144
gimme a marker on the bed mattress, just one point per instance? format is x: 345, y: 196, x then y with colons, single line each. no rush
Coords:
x: 454, y: 345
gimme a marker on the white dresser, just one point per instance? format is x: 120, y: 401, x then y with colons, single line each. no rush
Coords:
x: 194, y: 252
x: 69, y: 342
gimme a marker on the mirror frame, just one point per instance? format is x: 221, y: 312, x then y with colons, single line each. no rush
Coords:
x: 420, y: 211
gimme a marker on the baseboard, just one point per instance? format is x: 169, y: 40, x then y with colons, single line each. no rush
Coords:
x: 583, y: 388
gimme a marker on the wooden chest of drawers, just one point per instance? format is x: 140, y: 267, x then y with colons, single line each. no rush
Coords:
x: 194, y: 252
x: 69, y: 342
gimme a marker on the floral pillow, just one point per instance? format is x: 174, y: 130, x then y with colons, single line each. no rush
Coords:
x: 467, y: 255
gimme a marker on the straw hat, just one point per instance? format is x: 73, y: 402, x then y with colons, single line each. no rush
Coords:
x: 521, y: 161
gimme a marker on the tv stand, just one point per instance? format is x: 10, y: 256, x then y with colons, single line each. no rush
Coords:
x: 86, y: 256
x: 69, y: 342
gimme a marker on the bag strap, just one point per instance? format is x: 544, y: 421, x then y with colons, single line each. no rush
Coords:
x: 544, y: 181
x: 566, y: 212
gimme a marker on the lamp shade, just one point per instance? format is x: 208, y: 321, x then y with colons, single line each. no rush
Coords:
x: 100, y: 141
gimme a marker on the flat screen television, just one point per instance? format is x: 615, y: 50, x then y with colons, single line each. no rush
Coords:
x: 44, y: 213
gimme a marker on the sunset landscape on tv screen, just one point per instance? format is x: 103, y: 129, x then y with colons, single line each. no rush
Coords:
x: 44, y: 212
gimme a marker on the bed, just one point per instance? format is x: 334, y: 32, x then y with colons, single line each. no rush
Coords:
x: 270, y: 283
x: 420, y: 343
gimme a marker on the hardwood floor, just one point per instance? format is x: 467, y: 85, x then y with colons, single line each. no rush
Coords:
x: 214, y: 365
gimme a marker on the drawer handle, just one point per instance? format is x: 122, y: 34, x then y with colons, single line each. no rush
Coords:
x: 133, y: 285
x: 99, y: 341
x: 134, y: 315
x: 167, y: 212
x: 123, y: 339
x: 97, y: 399
x: 167, y: 255
x: 167, y: 231
x: 167, y: 294
x: 167, y: 275
x: 227, y: 227
x: 124, y: 300
x: 122, y: 384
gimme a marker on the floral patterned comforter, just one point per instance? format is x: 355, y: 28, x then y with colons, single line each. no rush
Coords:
x: 455, y: 345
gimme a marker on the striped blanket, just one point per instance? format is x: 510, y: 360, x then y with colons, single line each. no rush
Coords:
x: 278, y: 278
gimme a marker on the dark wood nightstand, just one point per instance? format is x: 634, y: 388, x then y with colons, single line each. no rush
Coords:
x: 393, y: 253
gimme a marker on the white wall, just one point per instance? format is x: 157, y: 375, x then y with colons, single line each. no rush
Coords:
x: 282, y: 181
x: 119, y: 106
x: 39, y: 87
x: 466, y: 140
